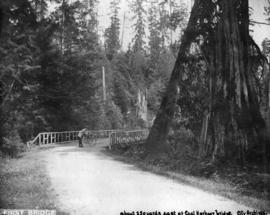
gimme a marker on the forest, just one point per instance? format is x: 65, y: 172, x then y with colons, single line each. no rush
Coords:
x: 51, y: 65
x: 205, y: 79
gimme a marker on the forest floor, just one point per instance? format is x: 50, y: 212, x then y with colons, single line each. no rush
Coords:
x: 91, y: 180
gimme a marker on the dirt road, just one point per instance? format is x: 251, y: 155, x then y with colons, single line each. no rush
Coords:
x: 89, y: 182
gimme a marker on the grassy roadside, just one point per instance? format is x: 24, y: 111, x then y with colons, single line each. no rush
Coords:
x: 215, y: 185
x: 24, y: 183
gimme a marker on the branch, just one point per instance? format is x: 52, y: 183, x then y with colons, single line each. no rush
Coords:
x: 260, y: 23
x: 252, y: 42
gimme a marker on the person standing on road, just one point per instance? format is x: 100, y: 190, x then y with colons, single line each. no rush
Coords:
x: 81, y: 135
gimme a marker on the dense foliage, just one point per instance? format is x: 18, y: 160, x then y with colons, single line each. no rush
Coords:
x: 51, y: 65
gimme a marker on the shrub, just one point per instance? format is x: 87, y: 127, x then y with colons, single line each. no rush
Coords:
x: 13, y: 145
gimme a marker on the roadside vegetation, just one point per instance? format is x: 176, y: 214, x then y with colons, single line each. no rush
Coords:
x: 248, y: 185
x: 24, y: 183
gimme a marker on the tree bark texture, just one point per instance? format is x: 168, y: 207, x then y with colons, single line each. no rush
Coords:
x: 1, y: 85
x: 236, y: 126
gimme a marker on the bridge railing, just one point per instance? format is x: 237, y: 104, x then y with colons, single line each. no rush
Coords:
x: 55, y: 137
x: 125, y: 138
x: 68, y: 136
x: 99, y: 133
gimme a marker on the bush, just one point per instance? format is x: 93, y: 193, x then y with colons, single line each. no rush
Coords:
x: 13, y: 145
x: 182, y: 144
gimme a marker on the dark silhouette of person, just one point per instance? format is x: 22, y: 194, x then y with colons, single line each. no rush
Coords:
x: 81, y: 134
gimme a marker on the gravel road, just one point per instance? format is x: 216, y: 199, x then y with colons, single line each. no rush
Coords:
x: 88, y: 182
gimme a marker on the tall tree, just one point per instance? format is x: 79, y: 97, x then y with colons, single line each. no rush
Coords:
x: 234, y: 125
x: 112, y: 42
x: 154, y: 43
x: 69, y: 71
x: 164, y: 16
x: 17, y: 63
x: 138, y: 8
x: 172, y: 20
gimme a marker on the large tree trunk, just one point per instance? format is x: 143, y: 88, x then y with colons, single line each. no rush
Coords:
x: 1, y: 85
x: 155, y: 144
x: 236, y: 126
x: 1, y: 116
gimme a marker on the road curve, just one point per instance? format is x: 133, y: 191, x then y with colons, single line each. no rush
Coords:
x: 88, y: 182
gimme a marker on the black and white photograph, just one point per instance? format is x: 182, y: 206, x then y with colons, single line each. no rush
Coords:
x: 134, y: 107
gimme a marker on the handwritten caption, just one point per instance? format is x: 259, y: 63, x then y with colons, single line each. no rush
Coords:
x: 216, y: 212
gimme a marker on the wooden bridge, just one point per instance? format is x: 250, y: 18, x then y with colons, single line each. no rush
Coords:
x: 117, y: 138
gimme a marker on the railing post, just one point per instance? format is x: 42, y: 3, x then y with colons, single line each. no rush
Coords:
x: 53, y: 138
x: 68, y: 136
x: 45, y: 138
x: 110, y: 141
x: 41, y: 138
x: 38, y: 139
